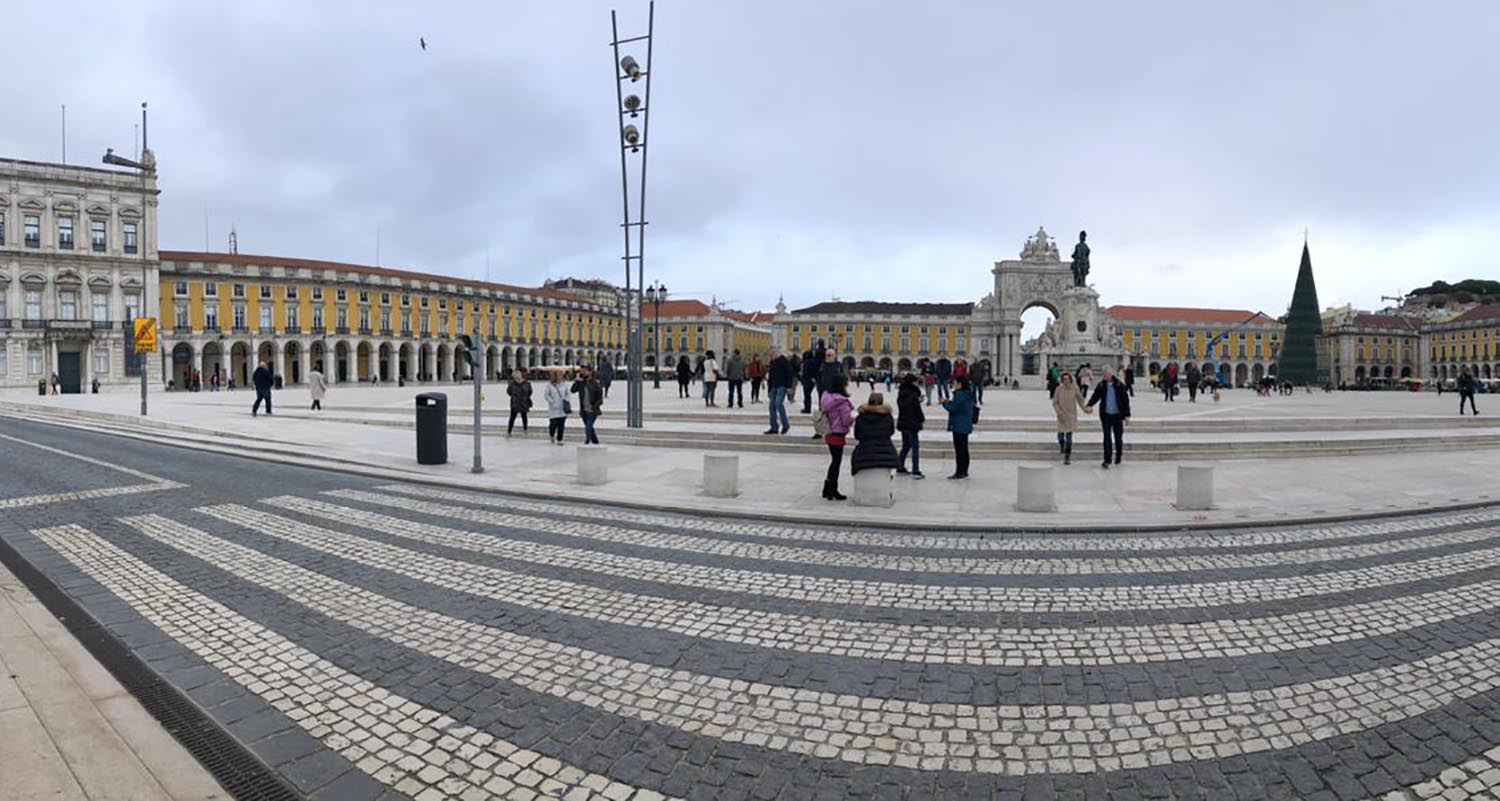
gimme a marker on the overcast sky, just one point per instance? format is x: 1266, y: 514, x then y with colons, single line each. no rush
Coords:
x: 888, y: 151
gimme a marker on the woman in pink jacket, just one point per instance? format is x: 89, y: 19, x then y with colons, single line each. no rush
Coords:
x: 838, y: 417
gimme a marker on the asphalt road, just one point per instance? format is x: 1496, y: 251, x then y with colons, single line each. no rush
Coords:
x: 366, y: 639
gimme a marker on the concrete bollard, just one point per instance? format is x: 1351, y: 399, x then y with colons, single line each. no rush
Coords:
x: 1195, y: 487
x: 1034, y: 489
x: 721, y: 475
x: 593, y: 470
x: 874, y: 488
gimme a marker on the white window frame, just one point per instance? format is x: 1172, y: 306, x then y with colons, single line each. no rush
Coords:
x: 33, y: 361
x: 98, y: 301
x: 101, y: 362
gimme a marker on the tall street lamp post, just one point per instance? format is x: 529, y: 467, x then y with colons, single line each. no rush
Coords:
x: 146, y: 167
x: 633, y: 142
x: 655, y: 294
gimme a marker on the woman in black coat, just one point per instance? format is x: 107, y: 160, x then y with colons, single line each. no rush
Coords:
x: 873, y: 427
x: 909, y: 420
x: 684, y: 376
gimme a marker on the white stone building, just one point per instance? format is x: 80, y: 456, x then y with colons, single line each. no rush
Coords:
x: 78, y: 257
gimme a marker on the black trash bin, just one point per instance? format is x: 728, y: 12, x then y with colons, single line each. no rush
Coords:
x: 432, y: 428
x: 41, y: 386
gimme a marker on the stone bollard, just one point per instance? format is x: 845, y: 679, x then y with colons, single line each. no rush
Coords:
x: 593, y: 470
x: 1034, y: 489
x: 721, y: 475
x: 1195, y: 487
x: 873, y: 488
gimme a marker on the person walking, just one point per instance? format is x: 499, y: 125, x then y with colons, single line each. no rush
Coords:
x: 873, y: 428
x: 710, y: 378
x: 928, y: 381
x: 262, y: 380
x: 1169, y: 382
x: 795, y: 360
x: 1114, y: 410
x: 519, y: 392
x: 1065, y: 404
x: 1085, y: 378
x: 590, y: 401
x: 1467, y: 386
x: 56, y: 383
x: 944, y: 380
x: 606, y: 376
x: 961, y: 424
x: 1194, y: 381
x: 756, y: 372
x: 734, y: 373
x: 558, y: 407
x: 979, y: 375
x: 684, y: 377
x: 317, y: 387
x: 834, y: 419
x: 909, y: 420
x: 781, y: 377
x: 1054, y: 375
x: 1129, y: 376
x: 809, y: 374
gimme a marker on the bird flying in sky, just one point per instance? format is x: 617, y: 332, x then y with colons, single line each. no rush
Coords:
x: 422, y: 40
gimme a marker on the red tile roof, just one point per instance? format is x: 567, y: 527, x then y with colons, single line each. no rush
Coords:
x: 697, y: 308
x: 1392, y: 321
x: 316, y: 264
x: 1175, y: 314
x: 1488, y: 311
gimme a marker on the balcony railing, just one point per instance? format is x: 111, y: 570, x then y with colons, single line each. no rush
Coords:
x: 318, y: 330
x: 293, y: 329
x: 34, y: 325
x: 33, y: 241
x: 364, y: 332
x: 342, y: 330
x: 268, y: 330
x: 97, y: 324
x: 4, y: 323
x: 385, y: 332
x: 240, y: 329
x: 406, y: 332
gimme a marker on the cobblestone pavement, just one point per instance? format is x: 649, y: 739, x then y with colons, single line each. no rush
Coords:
x: 371, y: 640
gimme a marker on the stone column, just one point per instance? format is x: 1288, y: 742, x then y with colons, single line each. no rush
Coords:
x: 304, y: 355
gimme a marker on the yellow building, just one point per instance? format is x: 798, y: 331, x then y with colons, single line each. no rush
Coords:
x: 691, y: 327
x: 877, y: 335
x: 222, y: 313
x: 1245, y: 343
x: 1470, y: 339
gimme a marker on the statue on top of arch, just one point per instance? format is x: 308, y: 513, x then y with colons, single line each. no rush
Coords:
x: 1040, y: 247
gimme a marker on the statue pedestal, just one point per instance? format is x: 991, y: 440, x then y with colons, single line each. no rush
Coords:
x: 1082, y: 330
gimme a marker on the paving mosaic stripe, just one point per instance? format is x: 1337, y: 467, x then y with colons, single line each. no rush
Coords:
x: 85, y: 495
x: 906, y: 735
x: 1476, y: 778
x: 922, y: 564
x: 945, y: 541
x: 930, y: 683
x: 348, y: 714
x: 999, y: 646
x: 825, y: 593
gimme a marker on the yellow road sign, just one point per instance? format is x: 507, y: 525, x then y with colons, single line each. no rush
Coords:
x: 145, y: 335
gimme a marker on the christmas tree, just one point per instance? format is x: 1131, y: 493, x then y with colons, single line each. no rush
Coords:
x: 1298, y: 361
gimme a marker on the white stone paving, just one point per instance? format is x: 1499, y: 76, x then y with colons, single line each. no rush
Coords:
x: 902, y: 595
x: 999, y: 544
x: 1004, y: 739
x: 917, y: 562
x: 928, y: 644
x: 438, y: 755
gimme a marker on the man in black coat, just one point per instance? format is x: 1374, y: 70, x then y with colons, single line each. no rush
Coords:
x: 262, y: 380
x: 1114, y: 409
x: 811, y: 365
x: 779, y: 377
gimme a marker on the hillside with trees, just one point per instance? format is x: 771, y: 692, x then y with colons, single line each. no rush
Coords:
x: 1469, y: 290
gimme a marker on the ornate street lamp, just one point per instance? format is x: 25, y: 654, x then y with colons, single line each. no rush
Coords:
x: 655, y: 294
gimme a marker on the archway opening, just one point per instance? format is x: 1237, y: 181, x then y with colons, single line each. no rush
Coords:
x: 1038, y: 336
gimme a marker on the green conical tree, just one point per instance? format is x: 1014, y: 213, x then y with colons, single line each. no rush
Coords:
x: 1298, y: 360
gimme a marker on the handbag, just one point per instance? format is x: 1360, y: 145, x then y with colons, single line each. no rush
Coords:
x: 567, y: 407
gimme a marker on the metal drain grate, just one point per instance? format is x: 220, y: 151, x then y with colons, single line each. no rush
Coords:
x: 235, y: 767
